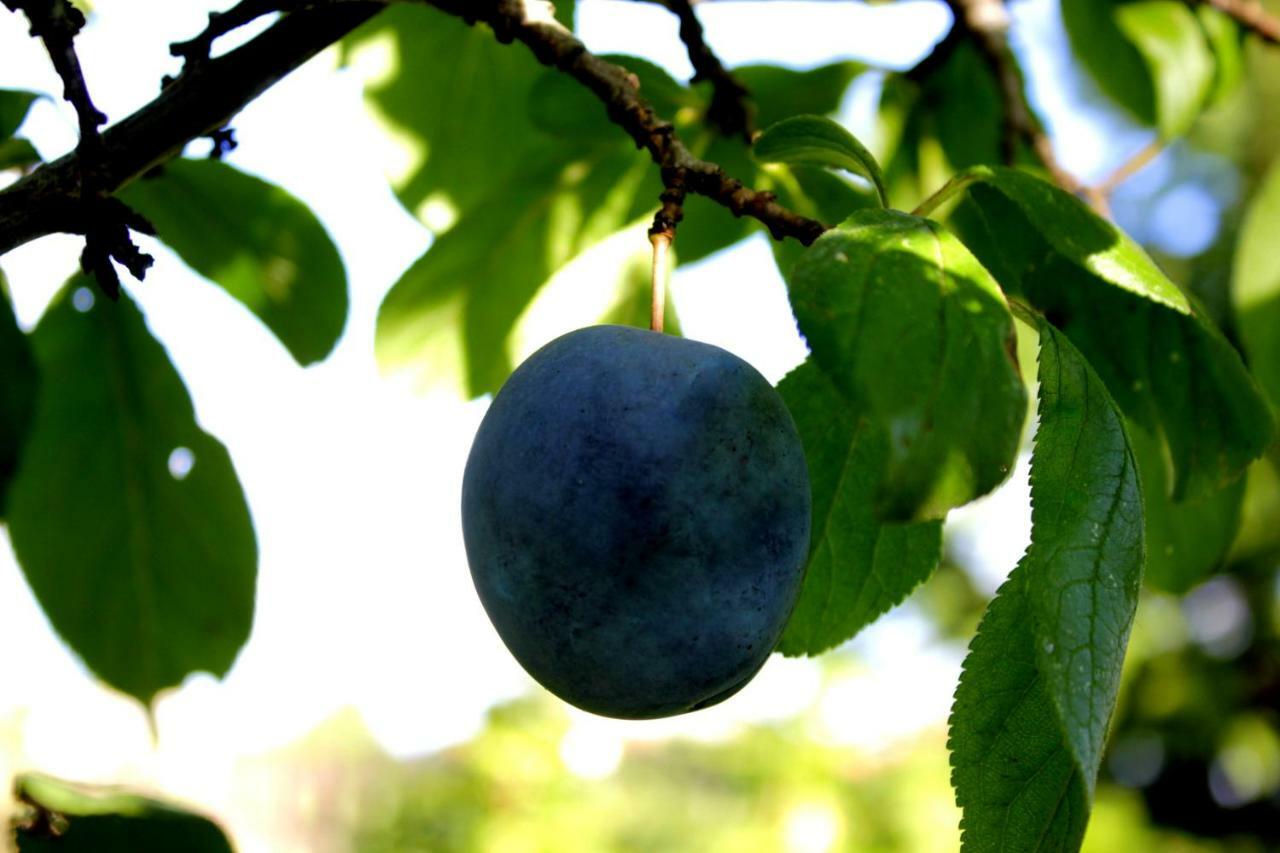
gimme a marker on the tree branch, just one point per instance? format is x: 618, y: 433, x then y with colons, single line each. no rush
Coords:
x: 1251, y: 15
x: 555, y: 46
x: 730, y: 111
x: 200, y: 101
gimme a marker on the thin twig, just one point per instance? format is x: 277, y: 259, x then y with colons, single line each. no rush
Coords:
x: 555, y: 46
x: 196, y: 50
x: 107, y: 221
x: 1251, y: 15
x: 196, y: 104
x: 658, y: 278
x: 730, y: 111
x: 1130, y: 167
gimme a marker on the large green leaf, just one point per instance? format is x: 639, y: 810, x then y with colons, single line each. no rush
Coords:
x: 70, y: 818
x: 450, y: 315
x: 819, y: 141
x: 262, y: 245
x: 562, y: 106
x: 18, y: 383
x: 14, y: 105
x: 1150, y: 56
x: 1255, y: 288
x: 17, y: 154
x: 1163, y: 360
x: 859, y: 567
x: 126, y: 517
x: 1040, y: 681
x: 916, y: 333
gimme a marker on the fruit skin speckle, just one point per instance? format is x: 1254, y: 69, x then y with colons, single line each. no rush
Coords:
x: 636, y: 514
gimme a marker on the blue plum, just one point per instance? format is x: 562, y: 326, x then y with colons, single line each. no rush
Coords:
x: 636, y: 510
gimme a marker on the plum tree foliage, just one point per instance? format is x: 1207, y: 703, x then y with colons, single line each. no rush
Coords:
x: 641, y: 545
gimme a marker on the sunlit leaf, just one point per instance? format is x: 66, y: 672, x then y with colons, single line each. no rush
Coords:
x: 1224, y: 39
x: 459, y: 98
x: 1150, y: 56
x: 262, y: 245
x: 448, y: 319
x: 126, y: 517
x: 18, y: 383
x: 64, y: 817
x: 1168, y: 35
x: 818, y: 141
x: 1040, y: 681
x: 562, y: 106
x: 916, y: 333
x: 859, y: 567
x: 1164, y: 362
x: 1255, y: 288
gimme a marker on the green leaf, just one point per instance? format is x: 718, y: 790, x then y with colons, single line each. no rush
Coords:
x: 1163, y: 360
x: 1255, y: 286
x: 858, y: 567
x: 14, y: 105
x: 1186, y: 540
x: 124, y: 506
x: 18, y: 383
x: 949, y: 119
x: 1112, y: 60
x: 1150, y: 56
x: 1040, y: 681
x: 779, y: 93
x: 916, y: 333
x: 817, y: 194
x: 17, y: 154
x: 450, y: 315
x: 458, y: 98
x: 260, y: 244
x: 819, y: 141
x: 1223, y: 36
x: 73, y: 818
x: 1169, y: 37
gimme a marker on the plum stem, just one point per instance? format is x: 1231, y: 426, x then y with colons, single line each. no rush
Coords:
x: 661, y: 241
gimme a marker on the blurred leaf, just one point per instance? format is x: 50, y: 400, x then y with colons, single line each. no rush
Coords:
x: 127, y: 518
x: 1040, y: 681
x: 17, y: 154
x: 858, y: 566
x: 916, y: 333
x: 1186, y: 540
x: 1166, y: 364
x: 1149, y: 56
x: 75, y: 818
x: 819, y: 141
x: 1168, y: 35
x: 1111, y: 58
x: 1223, y: 36
x: 460, y: 96
x: 931, y: 126
x: 14, y: 105
x: 1255, y: 287
x: 450, y: 315
x: 262, y: 245
x: 18, y: 383
x: 779, y: 93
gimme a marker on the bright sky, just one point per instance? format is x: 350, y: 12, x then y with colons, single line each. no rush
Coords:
x: 364, y: 598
